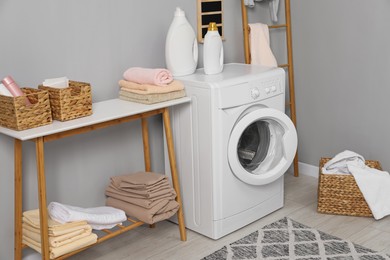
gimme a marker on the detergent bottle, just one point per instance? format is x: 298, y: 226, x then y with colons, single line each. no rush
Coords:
x: 212, y: 50
x: 181, y: 47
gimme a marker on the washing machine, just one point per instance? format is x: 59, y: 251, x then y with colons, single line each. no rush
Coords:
x: 233, y: 144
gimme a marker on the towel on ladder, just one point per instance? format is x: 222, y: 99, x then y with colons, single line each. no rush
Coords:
x: 259, y: 42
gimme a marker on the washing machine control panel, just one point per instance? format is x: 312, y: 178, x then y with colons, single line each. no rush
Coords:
x: 255, y: 93
x: 265, y: 89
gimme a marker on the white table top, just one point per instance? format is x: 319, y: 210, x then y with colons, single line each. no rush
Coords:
x: 102, y: 112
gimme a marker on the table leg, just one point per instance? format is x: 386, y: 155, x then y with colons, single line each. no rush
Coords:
x: 39, y: 149
x: 175, y: 180
x: 18, y: 202
x: 145, y: 139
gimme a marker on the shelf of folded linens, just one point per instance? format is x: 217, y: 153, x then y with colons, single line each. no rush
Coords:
x: 104, y: 234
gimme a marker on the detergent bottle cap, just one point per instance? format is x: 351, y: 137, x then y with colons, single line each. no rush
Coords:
x: 179, y: 12
x: 212, y: 27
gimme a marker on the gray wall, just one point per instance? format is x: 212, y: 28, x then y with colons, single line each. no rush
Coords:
x: 342, y: 65
x: 93, y: 41
x: 341, y: 60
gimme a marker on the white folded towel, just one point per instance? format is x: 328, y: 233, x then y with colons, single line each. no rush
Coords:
x: 338, y: 164
x: 260, y: 49
x: 99, y: 217
x: 273, y: 5
x: 375, y: 187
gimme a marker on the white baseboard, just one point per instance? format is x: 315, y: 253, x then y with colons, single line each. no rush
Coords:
x: 308, y: 169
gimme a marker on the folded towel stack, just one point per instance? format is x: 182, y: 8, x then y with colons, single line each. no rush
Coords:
x: 63, y: 238
x: 146, y: 196
x: 99, y: 217
x: 149, y: 86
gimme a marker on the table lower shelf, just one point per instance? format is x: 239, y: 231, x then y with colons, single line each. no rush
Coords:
x: 107, y: 234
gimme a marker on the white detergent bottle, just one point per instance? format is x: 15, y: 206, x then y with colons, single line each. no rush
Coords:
x: 181, y: 47
x: 212, y: 50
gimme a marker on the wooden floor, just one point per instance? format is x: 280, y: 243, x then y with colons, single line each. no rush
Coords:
x: 163, y: 242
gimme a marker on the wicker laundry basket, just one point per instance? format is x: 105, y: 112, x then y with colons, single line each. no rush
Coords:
x: 17, y: 114
x: 339, y: 193
x: 72, y: 102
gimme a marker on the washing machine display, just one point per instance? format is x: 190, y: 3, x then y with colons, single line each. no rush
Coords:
x: 259, y: 146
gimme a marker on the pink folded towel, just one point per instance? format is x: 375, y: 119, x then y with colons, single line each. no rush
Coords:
x: 159, y: 77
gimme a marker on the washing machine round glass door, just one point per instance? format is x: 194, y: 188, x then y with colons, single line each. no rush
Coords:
x: 262, y: 146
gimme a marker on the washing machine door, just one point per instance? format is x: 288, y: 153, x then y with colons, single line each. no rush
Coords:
x: 262, y: 146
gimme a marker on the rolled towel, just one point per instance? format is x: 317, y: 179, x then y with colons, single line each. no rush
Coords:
x: 98, y: 218
x: 159, y: 77
x: 149, y: 88
x: 162, y: 211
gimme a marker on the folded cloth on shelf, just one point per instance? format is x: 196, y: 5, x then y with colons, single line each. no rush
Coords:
x: 150, y: 98
x: 154, y: 192
x: 31, y: 217
x: 159, y: 77
x: 339, y: 163
x: 142, y: 202
x: 98, y: 217
x: 374, y: 185
x: 260, y: 49
x: 158, y: 213
x: 62, y: 250
x: 140, y: 180
x: 133, y: 87
x: 56, y: 241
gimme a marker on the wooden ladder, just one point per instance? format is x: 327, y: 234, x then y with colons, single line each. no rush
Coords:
x: 289, y: 64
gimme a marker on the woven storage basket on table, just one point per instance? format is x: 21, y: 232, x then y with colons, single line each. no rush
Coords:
x: 17, y: 114
x: 339, y: 193
x: 72, y: 102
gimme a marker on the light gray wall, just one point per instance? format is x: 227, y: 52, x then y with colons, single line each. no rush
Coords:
x: 341, y: 60
x: 342, y: 68
x: 93, y: 41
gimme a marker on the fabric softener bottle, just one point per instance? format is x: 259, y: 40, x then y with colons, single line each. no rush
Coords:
x: 181, y: 47
x: 212, y: 50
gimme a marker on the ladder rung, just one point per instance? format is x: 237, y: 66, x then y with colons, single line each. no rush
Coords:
x: 283, y: 65
x: 269, y: 26
x: 277, y: 26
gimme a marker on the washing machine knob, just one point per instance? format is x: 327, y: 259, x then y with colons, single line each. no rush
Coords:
x: 255, y: 93
x: 267, y: 90
x: 273, y: 88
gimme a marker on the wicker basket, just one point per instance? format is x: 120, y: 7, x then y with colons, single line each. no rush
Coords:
x: 70, y: 103
x: 339, y: 193
x: 15, y: 113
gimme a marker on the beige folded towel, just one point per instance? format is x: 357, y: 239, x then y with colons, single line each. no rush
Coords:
x: 150, y: 98
x: 142, y: 202
x: 158, y: 213
x: 151, y: 89
x: 62, y: 250
x: 56, y: 241
x: 140, y: 180
x: 164, y: 192
x: 31, y: 218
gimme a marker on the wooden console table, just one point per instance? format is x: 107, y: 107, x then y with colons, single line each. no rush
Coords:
x: 106, y: 113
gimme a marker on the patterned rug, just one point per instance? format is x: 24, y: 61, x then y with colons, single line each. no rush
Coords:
x: 287, y: 239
